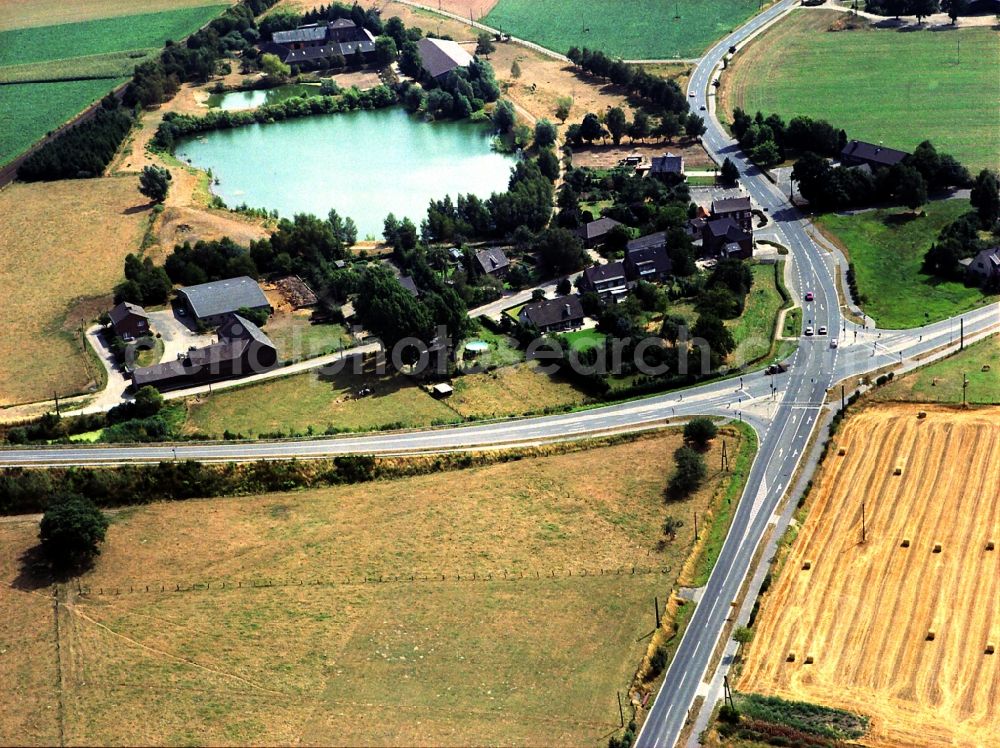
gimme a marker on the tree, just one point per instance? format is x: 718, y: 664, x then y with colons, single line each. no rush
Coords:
x: 545, y: 133
x: 147, y: 402
x: 985, y: 198
x: 716, y: 335
x: 911, y: 189
x: 564, y: 105
x: 700, y: 431
x: 548, y: 164
x: 743, y: 635
x: 766, y: 154
x: 154, y: 183
x: 71, y: 532
x: 669, y: 127
x: 504, y: 116
x: 272, y: 66
x: 690, y: 471
x: 591, y: 128
x: 671, y: 525
x: 560, y: 251
x: 729, y: 174
x: 923, y: 8
x: 484, y: 45
x: 515, y: 69
x: 616, y: 124
x: 564, y: 287
x: 694, y: 126
x: 385, y: 51
x: 641, y: 127
x: 956, y: 8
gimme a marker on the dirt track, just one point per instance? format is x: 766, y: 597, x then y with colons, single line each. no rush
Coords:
x: 863, y: 611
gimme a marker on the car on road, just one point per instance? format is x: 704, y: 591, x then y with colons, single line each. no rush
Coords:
x: 809, y: 296
x: 834, y: 343
x: 821, y: 330
x: 809, y: 330
x: 691, y: 94
x: 776, y: 369
x: 702, y: 107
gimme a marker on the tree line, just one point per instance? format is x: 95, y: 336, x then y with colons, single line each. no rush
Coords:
x: 969, y: 234
x: 658, y: 93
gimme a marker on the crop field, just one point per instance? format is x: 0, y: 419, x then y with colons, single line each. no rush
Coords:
x: 941, y: 382
x: 631, y: 29
x: 337, y: 660
x: 887, y: 248
x: 64, y: 243
x: 17, y: 14
x: 877, y: 84
x: 754, y: 330
x: 897, y: 629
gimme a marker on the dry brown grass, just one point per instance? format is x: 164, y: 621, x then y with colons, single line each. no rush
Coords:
x: 62, y: 242
x: 511, y: 390
x: 395, y: 663
x: 16, y: 14
x: 863, y: 610
x: 607, y: 156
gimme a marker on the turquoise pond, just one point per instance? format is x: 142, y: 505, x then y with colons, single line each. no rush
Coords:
x: 365, y: 164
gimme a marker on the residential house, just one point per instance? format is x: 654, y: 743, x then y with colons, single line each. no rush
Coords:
x: 438, y: 57
x: 858, y: 153
x: 735, y: 208
x: 608, y: 281
x: 212, y: 303
x: 242, y: 349
x: 984, y: 268
x: 553, y: 315
x: 493, y: 261
x: 595, y: 233
x: 306, y: 45
x: 667, y: 167
x: 129, y: 321
x: 721, y: 237
x: 409, y: 284
x: 646, y: 258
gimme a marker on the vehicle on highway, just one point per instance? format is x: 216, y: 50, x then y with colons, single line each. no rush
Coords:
x: 776, y: 369
x: 809, y: 296
x: 834, y: 343
x: 702, y: 107
x: 691, y: 94
x: 809, y: 330
x: 821, y: 330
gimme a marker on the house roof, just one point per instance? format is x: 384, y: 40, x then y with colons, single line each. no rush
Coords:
x: 224, y: 297
x: 240, y: 328
x: 601, y: 273
x: 550, y: 312
x: 332, y: 48
x: 124, y: 310
x: 409, y: 284
x: 440, y: 56
x: 650, y: 259
x: 878, y: 154
x: 726, y: 228
x: 667, y: 164
x: 659, y: 239
x: 598, y: 228
x: 730, y: 205
x: 312, y: 32
x: 988, y: 257
x: 492, y: 259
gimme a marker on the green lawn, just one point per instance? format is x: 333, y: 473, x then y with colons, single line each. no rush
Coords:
x: 941, y: 382
x: 580, y: 340
x: 632, y: 29
x: 793, y: 323
x: 887, y: 248
x: 29, y: 110
x: 753, y: 331
x: 879, y: 85
x: 139, y: 31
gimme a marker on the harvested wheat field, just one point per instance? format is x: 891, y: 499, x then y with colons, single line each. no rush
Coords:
x: 897, y: 630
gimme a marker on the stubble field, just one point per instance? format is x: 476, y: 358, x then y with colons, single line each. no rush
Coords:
x: 323, y: 657
x: 863, y: 611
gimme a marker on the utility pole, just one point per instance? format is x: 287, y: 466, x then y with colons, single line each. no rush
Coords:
x: 727, y: 694
x: 656, y: 609
x: 725, y: 457
x: 961, y: 333
x: 56, y: 396
x: 696, y: 525
x: 621, y: 713
x: 965, y: 384
x: 843, y: 402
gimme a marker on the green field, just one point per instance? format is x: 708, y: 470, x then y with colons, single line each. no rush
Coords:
x: 941, y: 382
x: 887, y: 248
x: 879, y: 85
x: 753, y: 331
x: 141, y: 31
x: 29, y: 110
x: 631, y: 29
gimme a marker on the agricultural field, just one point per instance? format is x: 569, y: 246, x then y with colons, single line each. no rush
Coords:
x: 897, y: 630
x: 58, y: 278
x: 18, y: 14
x: 876, y: 84
x: 887, y: 247
x: 753, y: 331
x: 632, y: 29
x: 941, y: 382
x: 337, y: 660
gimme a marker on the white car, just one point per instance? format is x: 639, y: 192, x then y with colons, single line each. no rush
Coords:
x: 822, y: 330
x: 833, y: 343
x: 809, y: 330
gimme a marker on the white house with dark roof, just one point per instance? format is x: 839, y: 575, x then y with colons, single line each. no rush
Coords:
x: 440, y: 56
x: 212, y: 303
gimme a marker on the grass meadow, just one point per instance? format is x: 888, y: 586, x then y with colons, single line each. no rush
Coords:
x: 887, y: 247
x: 631, y: 29
x: 324, y: 657
x: 19, y: 14
x: 879, y: 85
x: 754, y: 330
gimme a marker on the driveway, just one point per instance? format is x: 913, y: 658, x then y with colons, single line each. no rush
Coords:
x: 176, y: 334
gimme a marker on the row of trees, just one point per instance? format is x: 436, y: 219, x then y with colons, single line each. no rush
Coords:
x: 767, y: 139
x: 919, y: 8
x: 660, y: 94
x: 963, y: 237
x: 614, y: 124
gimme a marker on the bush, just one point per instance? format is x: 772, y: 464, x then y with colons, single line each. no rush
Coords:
x: 700, y: 431
x: 71, y: 532
x: 689, y: 473
x: 657, y: 663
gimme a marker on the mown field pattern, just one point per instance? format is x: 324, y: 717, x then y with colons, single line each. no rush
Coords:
x: 17, y: 14
x: 878, y: 85
x: 887, y: 248
x: 631, y: 29
x: 863, y: 610
x: 345, y: 662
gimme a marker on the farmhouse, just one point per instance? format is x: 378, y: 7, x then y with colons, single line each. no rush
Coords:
x: 493, y: 261
x: 548, y: 315
x: 984, y: 268
x: 667, y: 166
x: 595, y: 233
x: 242, y: 349
x: 607, y: 281
x: 722, y: 237
x: 129, y: 321
x: 212, y: 303
x: 308, y: 44
x: 440, y: 56
x: 737, y: 209
x: 858, y: 153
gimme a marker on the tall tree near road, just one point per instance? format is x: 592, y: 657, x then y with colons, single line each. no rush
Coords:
x: 616, y: 124
x: 985, y: 198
